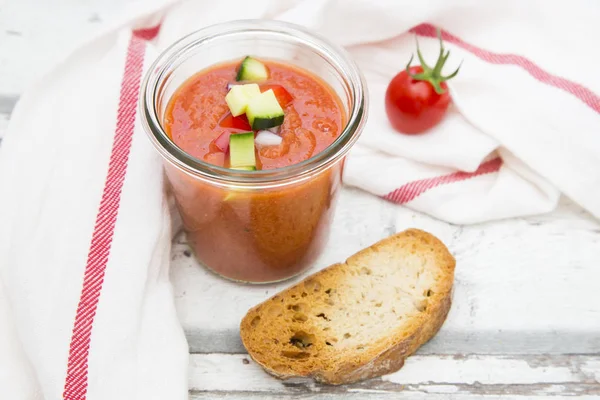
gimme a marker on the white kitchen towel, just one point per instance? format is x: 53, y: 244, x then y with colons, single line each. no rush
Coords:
x: 86, y: 308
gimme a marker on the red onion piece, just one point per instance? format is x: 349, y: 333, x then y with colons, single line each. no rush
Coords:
x: 222, y: 142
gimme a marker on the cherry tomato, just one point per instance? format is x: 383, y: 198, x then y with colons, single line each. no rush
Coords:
x: 417, y: 98
x: 413, y: 106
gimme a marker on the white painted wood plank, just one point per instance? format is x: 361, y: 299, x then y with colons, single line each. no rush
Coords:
x: 432, y: 375
x: 527, y: 285
x: 494, y: 370
x: 592, y: 369
x: 35, y: 34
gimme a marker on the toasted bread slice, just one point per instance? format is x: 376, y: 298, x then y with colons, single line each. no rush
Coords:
x: 359, y: 319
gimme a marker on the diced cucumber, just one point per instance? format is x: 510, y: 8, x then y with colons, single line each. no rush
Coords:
x: 239, y: 96
x: 246, y: 168
x: 252, y: 70
x: 241, y: 150
x: 264, y: 111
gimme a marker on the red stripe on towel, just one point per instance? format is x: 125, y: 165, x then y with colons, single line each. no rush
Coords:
x: 411, y: 190
x: 584, y: 94
x: 76, y: 381
x: 147, y: 33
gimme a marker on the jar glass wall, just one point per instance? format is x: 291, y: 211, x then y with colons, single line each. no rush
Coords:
x: 266, y: 225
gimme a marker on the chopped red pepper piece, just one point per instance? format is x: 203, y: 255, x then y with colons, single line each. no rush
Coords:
x: 283, y: 96
x: 239, y: 122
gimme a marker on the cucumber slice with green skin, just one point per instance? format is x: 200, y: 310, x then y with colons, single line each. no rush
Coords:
x: 264, y: 112
x: 241, y: 150
x: 246, y: 168
x: 252, y: 70
x: 239, y: 96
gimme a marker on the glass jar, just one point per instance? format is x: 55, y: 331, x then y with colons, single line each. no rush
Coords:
x: 255, y: 226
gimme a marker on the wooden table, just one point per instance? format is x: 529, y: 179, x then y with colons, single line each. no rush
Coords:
x: 526, y: 316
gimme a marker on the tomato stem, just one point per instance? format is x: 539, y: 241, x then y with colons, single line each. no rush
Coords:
x: 433, y: 75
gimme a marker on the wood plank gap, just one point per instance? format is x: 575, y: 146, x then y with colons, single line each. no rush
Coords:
x: 407, y: 394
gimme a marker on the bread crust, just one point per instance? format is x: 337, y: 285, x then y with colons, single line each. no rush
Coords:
x: 262, y: 330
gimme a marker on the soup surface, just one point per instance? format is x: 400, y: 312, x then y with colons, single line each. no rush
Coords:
x: 198, y: 115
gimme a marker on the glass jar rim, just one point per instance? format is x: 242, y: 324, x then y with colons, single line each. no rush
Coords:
x: 335, y: 54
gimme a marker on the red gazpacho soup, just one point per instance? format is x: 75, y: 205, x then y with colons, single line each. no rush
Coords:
x: 255, y: 115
